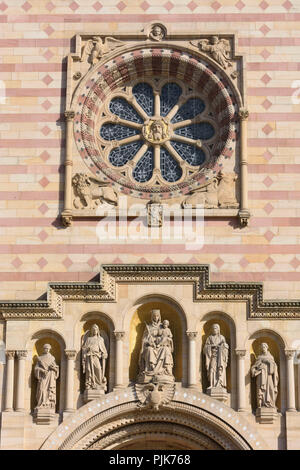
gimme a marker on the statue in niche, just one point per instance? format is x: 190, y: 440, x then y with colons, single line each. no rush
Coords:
x: 46, y: 372
x: 265, y: 371
x: 94, y: 355
x: 219, y: 49
x: 155, y: 385
x: 216, y: 359
x: 156, y: 355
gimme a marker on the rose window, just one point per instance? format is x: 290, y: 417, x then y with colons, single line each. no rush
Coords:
x: 157, y: 133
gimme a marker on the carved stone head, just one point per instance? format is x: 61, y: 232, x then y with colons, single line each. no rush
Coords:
x: 94, y: 331
x: 157, y: 32
x: 46, y: 348
x: 264, y: 348
x: 155, y: 316
x: 215, y: 329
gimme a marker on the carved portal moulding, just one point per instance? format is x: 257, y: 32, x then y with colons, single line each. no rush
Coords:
x: 155, y: 115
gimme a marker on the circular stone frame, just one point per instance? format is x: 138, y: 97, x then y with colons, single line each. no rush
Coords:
x: 144, y: 62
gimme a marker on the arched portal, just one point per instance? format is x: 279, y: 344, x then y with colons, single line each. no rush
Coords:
x: 192, y: 421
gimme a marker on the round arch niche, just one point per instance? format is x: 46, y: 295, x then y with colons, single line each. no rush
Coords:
x: 57, y: 347
x: 276, y: 348
x: 106, y: 328
x: 142, y: 315
x: 227, y: 329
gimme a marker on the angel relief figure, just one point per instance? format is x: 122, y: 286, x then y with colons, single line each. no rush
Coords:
x: 219, y: 49
x: 96, y: 48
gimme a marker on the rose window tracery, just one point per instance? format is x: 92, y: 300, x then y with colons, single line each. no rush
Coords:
x: 155, y: 121
x: 156, y: 132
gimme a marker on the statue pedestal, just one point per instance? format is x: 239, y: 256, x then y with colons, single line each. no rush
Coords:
x: 93, y: 394
x: 146, y: 378
x: 218, y: 393
x: 44, y: 415
x: 266, y: 415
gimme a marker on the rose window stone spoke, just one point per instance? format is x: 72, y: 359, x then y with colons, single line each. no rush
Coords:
x: 189, y: 110
x: 191, y: 154
x: 162, y: 127
x: 144, y: 169
x: 111, y: 131
x: 121, y: 155
x: 120, y: 107
x: 169, y: 168
x: 169, y: 97
x: 203, y: 130
x: 143, y: 94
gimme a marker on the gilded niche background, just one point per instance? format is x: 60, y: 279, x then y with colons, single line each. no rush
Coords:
x: 137, y: 327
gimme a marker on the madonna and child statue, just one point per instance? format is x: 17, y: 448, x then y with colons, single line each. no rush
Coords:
x: 156, y: 354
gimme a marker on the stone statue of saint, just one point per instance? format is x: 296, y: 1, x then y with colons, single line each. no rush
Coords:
x: 94, y: 355
x: 266, y: 372
x: 46, y: 372
x: 156, y: 355
x: 216, y: 358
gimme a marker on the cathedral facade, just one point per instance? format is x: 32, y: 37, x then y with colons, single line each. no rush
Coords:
x: 149, y: 225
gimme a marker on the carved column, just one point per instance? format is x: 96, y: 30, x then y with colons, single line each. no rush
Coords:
x: 244, y: 213
x: 119, y: 335
x: 69, y: 400
x: 20, y: 402
x: 9, y: 391
x: 241, y: 389
x: 192, y: 373
x: 290, y: 376
x: 67, y: 213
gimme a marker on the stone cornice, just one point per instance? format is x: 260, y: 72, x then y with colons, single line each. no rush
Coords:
x: 111, y: 275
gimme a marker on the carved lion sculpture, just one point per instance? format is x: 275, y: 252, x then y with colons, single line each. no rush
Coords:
x: 90, y: 192
x: 217, y: 192
x: 206, y: 195
x: 226, y: 190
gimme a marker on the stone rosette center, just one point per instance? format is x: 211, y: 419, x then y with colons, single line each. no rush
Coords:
x: 156, y: 131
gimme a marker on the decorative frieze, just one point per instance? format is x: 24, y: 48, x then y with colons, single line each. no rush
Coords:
x: 111, y: 275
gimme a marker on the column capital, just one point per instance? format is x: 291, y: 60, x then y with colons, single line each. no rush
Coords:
x: 289, y: 353
x: 10, y: 354
x: 69, y: 115
x: 70, y: 354
x: 119, y: 335
x: 22, y: 354
x: 192, y: 335
x: 240, y: 352
x: 243, y: 114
